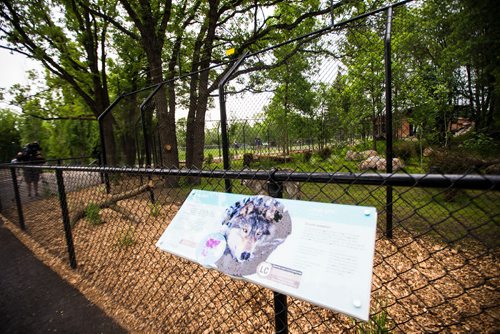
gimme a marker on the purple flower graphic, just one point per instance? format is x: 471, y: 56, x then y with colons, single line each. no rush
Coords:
x: 212, y: 243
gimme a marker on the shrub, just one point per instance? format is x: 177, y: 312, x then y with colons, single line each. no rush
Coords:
x: 154, y: 209
x: 452, y: 162
x: 126, y: 238
x: 307, y: 156
x: 92, y: 214
x: 247, y: 159
x: 378, y: 324
x: 210, y: 158
x: 325, y: 153
x: 480, y: 143
x: 405, y: 150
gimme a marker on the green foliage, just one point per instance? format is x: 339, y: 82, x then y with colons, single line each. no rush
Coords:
x: 480, y: 143
x: 154, y: 209
x: 92, y: 214
x: 126, y: 238
x: 10, y: 140
x: 325, y: 153
x: 405, y: 149
x: 443, y: 51
x: 378, y: 324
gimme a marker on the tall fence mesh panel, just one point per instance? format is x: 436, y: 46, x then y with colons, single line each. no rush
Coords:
x: 438, y: 272
x: 295, y: 112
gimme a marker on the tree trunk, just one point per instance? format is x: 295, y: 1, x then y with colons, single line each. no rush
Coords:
x: 196, y: 125
x: 166, y: 117
x: 166, y: 130
x: 193, y: 99
x: 109, y: 140
x: 128, y: 140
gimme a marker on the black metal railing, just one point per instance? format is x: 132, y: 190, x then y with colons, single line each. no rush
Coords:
x: 443, y: 251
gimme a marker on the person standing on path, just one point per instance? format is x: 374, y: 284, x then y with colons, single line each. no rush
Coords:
x: 32, y: 154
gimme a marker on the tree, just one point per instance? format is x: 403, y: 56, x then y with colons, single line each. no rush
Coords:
x: 10, y: 140
x: 205, y: 38
x: 477, y: 28
x: 445, y: 56
x: 72, y: 47
x: 363, y: 48
x: 154, y: 23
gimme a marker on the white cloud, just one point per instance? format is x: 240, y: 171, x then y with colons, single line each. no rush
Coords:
x: 14, y: 71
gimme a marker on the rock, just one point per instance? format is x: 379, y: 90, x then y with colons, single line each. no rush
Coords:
x: 380, y: 164
x: 428, y: 151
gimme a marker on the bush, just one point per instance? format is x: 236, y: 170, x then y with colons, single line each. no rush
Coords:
x: 126, y: 238
x: 247, y: 159
x: 154, y: 209
x: 405, y: 150
x: 480, y: 143
x: 210, y: 158
x: 325, y: 153
x: 452, y: 162
x: 307, y: 156
x: 92, y: 214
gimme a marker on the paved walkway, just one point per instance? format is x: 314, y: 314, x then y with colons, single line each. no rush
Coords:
x: 34, y: 299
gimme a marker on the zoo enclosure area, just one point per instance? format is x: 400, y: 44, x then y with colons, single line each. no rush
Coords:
x: 438, y: 272
x: 279, y: 100
x: 436, y: 252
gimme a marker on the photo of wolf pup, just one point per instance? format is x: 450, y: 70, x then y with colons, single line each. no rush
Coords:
x: 253, y: 228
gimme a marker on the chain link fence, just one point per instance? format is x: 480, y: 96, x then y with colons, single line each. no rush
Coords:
x: 439, y: 271
x: 289, y: 114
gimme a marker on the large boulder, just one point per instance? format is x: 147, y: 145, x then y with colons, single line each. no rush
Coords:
x: 380, y: 164
x: 369, y: 163
x: 352, y: 155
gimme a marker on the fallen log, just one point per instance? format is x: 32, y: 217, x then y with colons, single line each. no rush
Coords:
x: 129, y: 215
x: 112, y: 203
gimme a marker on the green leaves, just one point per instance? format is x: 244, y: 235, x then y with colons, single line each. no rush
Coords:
x: 10, y: 140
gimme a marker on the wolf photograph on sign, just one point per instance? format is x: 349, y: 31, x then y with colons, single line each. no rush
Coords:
x: 253, y: 228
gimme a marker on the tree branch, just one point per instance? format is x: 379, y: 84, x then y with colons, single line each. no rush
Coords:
x: 111, y: 20
x: 61, y: 118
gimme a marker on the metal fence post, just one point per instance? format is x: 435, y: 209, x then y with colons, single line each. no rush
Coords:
x: 100, y: 120
x: 65, y: 217
x: 388, y: 122
x: 275, y: 189
x: 18, y: 199
x: 223, y: 118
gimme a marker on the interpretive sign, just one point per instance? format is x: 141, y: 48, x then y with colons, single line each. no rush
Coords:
x: 318, y: 252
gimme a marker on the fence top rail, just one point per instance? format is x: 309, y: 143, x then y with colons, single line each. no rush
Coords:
x: 467, y: 181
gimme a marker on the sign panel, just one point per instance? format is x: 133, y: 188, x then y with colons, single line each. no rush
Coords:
x: 319, y: 252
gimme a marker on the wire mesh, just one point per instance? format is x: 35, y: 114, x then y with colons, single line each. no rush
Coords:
x: 325, y: 137
x: 438, y: 273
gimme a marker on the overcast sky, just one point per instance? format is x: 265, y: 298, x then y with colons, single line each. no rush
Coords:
x: 14, y: 67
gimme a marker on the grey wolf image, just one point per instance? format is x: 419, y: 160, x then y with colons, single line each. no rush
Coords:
x: 253, y: 228
x: 291, y: 188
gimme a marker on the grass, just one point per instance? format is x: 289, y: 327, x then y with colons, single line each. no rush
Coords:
x: 126, y: 238
x: 420, y: 211
x: 154, y: 209
x: 379, y: 323
x: 92, y: 214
